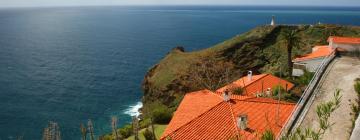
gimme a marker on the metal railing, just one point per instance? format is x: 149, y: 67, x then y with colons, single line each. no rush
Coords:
x: 291, y: 123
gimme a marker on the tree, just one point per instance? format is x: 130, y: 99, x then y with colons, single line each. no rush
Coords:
x: 148, y: 135
x: 114, y: 120
x: 52, y: 132
x: 291, y: 40
x: 83, y: 131
x: 209, y: 73
x: 135, y: 123
x: 91, y: 129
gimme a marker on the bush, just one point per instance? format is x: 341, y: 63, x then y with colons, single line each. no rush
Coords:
x: 161, y: 115
x: 149, y: 135
x: 306, y: 78
x: 126, y: 131
x: 357, y: 87
x: 237, y: 91
x: 268, y: 135
x: 277, y: 89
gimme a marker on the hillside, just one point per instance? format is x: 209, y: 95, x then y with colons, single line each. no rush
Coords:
x: 260, y: 50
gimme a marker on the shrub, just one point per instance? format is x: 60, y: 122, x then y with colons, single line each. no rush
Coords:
x: 161, y: 115
x: 268, y: 135
x: 238, y: 90
x: 148, y: 134
x: 126, y: 131
x: 357, y: 87
x: 306, y: 78
x: 277, y: 89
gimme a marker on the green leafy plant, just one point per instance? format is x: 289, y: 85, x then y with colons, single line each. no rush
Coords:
x: 306, y: 78
x: 357, y: 86
x: 148, y: 134
x: 161, y: 115
x: 278, y: 89
x: 323, y: 111
x: 268, y: 135
x: 237, y: 90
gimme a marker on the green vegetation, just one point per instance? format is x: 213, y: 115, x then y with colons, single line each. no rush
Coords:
x: 305, y: 79
x: 261, y: 50
x: 268, y: 135
x: 323, y: 111
x: 238, y: 90
x: 159, y: 129
x: 148, y: 135
x: 357, y: 86
x: 355, y: 107
x: 291, y: 40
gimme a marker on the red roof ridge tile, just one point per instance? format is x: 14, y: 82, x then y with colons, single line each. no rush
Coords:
x: 266, y: 100
x: 261, y: 77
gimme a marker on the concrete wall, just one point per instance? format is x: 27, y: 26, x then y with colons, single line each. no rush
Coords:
x: 312, y: 64
x: 346, y: 47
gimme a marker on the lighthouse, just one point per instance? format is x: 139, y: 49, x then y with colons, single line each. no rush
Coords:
x: 273, y: 21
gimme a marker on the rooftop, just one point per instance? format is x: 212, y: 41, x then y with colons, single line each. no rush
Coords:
x: 257, y: 84
x: 205, y: 115
x: 318, y: 52
x: 346, y: 40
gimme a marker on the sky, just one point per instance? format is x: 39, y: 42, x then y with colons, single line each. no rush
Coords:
x: 37, y: 3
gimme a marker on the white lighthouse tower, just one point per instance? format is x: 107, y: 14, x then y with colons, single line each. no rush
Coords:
x: 273, y: 21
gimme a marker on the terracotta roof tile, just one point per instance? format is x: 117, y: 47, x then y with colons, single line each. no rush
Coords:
x: 219, y: 122
x: 259, y: 83
x: 346, y: 40
x: 319, y: 51
x: 191, y: 107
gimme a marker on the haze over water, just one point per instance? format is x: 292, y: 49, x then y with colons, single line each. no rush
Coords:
x: 77, y: 63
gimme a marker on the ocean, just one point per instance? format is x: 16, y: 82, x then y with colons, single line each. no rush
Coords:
x: 71, y: 64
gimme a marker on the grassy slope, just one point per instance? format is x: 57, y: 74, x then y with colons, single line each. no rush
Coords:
x: 159, y: 129
x: 260, y: 50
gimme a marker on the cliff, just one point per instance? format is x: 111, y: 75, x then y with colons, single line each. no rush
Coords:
x: 260, y: 50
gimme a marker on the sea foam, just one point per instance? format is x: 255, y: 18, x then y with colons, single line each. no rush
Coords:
x: 133, y: 110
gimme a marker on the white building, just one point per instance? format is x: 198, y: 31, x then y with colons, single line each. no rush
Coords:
x: 312, y: 61
x: 344, y: 43
x: 272, y: 21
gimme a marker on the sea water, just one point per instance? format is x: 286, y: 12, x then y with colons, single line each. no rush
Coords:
x: 71, y: 64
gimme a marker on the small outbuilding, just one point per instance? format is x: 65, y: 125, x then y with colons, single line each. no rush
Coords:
x: 344, y: 44
x: 311, y: 61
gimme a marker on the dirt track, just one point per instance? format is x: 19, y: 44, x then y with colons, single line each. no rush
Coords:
x: 341, y: 75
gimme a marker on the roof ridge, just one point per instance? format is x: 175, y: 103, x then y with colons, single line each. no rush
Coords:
x: 281, y: 102
x: 195, y: 118
x: 234, y: 119
x: 266, y: 74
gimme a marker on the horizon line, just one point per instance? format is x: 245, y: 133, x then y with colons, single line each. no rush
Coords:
x: 179, y: 5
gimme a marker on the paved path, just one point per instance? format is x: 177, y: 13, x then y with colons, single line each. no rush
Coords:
x: 340, y: 75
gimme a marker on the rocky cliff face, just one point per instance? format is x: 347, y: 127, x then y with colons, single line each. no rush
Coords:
x: 260, y: 50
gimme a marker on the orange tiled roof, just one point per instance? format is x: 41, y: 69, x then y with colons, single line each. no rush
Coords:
x: 259, y: 83
x: 219, y: 120
x: 346, y: 40
x: 319, y: 51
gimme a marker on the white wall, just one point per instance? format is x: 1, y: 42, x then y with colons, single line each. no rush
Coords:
x: 312, y: 64
x: 347, y: 47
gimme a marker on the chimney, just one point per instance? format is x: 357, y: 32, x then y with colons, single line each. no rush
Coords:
x: 226, y: 95
x: 249, y: 75
x: 268, y: 91
x: 242, y: 121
